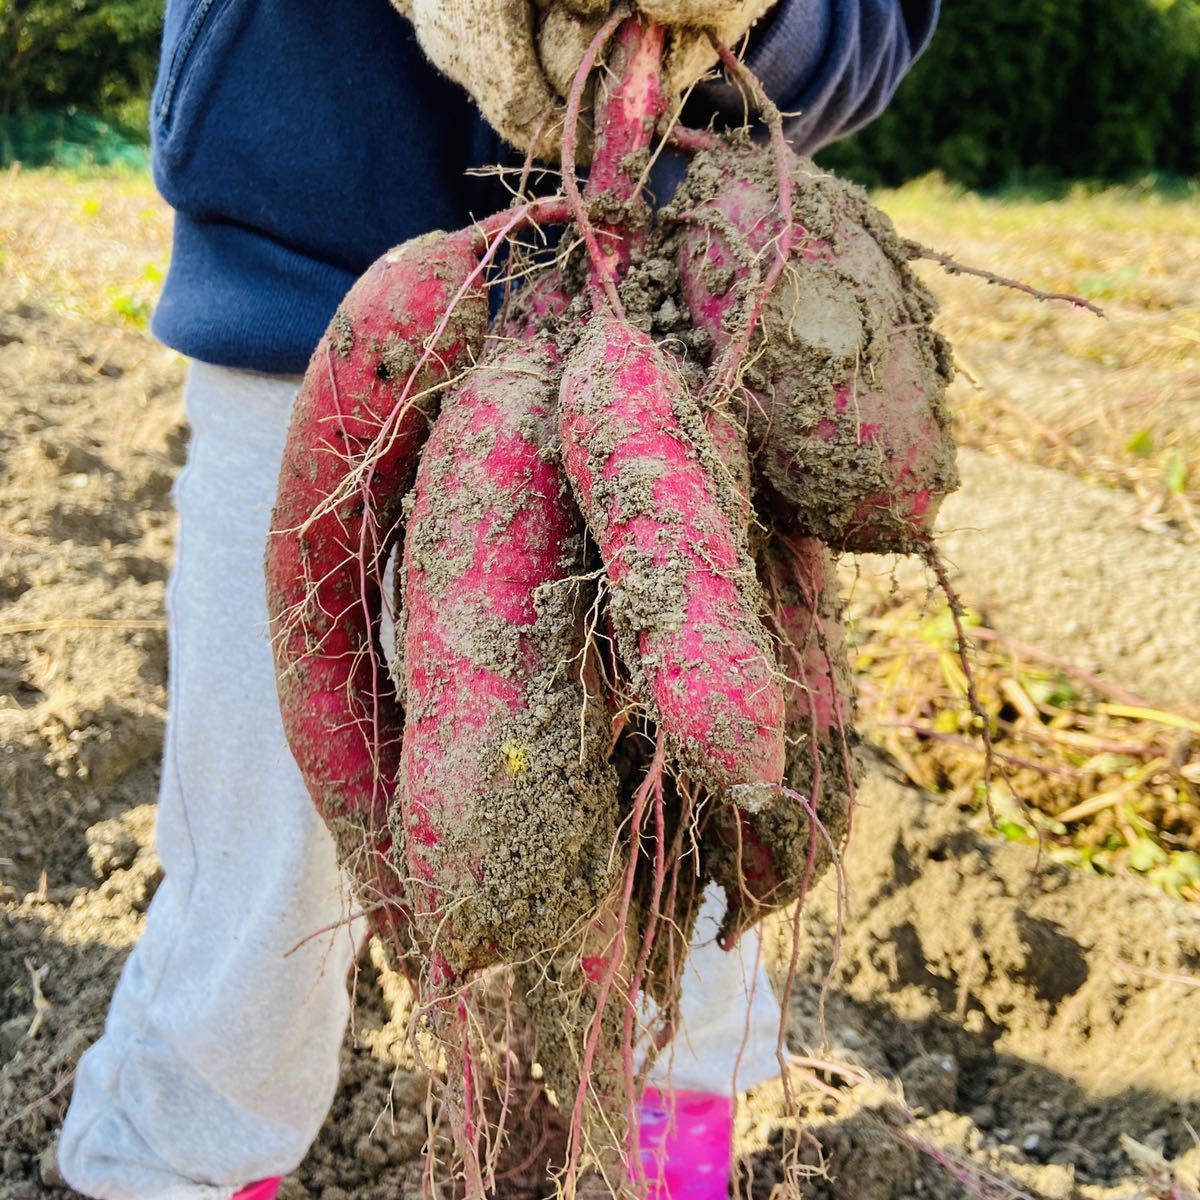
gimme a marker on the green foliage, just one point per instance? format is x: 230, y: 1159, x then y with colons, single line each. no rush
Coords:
x: 97, y: 55
x: 1021, y: 90
x: 1100, y: 89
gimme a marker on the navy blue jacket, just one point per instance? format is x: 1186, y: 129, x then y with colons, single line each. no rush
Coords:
x: 299, y: 139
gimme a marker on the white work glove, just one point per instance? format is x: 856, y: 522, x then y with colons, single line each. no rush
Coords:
x: 517, y: 58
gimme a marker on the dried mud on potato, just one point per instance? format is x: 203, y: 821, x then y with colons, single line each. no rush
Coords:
x: 846, y: 378
x: 683, y: 596
x: 508, y: 803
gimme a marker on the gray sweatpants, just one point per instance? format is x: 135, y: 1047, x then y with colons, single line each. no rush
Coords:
x: 219, y: 1056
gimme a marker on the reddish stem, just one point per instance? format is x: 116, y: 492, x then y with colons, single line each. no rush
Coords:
x: 627, y: 113
x: 470, y: 1131
x: 550, y: 210
x: 602, y: 277
x: 654, y: 909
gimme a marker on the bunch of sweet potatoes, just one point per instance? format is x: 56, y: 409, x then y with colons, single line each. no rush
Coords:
x: 619, y: 668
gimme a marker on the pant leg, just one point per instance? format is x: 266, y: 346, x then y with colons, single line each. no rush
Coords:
x: 729, y: 1017
x: 219, y: 1056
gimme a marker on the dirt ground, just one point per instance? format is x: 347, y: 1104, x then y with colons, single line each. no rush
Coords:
x: 992, y: 1025
x: 1086, y: 577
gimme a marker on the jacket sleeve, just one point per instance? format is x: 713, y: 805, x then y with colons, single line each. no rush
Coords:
x: 830, y: 65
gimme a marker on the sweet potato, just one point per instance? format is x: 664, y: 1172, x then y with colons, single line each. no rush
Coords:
x: 629, y: 101
x: 361, y: 416
x: 766, y: 855
x: 564, y: 739
x: 537, y: 307
x: 508, y: 804
x: 683, y: 597
x: 845, y: 383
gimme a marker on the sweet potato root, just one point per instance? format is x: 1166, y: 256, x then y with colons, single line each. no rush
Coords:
x: 594, y: 670
x: 845, y: 383
x: 508, y: 805
x: 683, y: 598
x: 358, y: 424
x: 767, y: 855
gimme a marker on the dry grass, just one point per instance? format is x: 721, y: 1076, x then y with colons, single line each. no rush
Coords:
x: 94, y: 247
x: 1114, y: 401
x: 1101, y: 778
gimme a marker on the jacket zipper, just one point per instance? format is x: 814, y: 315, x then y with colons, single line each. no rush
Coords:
x: 181, y: 56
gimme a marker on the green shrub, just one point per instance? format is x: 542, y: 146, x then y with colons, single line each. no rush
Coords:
x: 1085, y: 88
x: 96, y: 55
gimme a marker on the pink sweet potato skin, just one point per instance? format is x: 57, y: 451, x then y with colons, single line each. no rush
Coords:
x: 761, y: 856
x: 508, y: 804
x: 845, y: 390
x: 802, y: 584
x: 683, y: 598
x: 765, y: 859
x: 341, y: 719
x: 629, y: 102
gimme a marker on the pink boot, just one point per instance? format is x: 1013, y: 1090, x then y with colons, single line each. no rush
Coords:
x: 264, y: 1189
x: 685, y: 1140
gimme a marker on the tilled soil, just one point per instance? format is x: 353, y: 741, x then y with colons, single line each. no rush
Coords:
x: 1073, y: 567
x: 989, y: 1023
x: 1031, y: 1016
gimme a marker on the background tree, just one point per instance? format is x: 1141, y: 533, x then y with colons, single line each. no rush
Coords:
x: 98, y: 55
x: 1093, y: 88
x: 1070, y: 88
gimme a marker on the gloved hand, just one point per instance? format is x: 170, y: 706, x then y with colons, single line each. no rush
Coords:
x: 517, y: 58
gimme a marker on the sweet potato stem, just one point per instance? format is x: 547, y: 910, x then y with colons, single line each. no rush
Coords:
x: 630, y: 101
x: 627, y: 112
x: 602, y: 274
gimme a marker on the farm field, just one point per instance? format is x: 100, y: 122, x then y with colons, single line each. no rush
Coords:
x: 1015, y: 1007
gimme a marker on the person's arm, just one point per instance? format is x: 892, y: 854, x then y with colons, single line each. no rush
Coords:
x: 831, y: 66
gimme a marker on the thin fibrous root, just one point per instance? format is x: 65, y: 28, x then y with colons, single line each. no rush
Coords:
x: 953, y: 267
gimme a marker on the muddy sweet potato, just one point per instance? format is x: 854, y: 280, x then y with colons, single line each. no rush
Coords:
x: 845, y: 381
x: 507, y: 805
x: 683, y: 598
x: 359, y: 421
x: 766, y: 855
x: 608, y: 703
